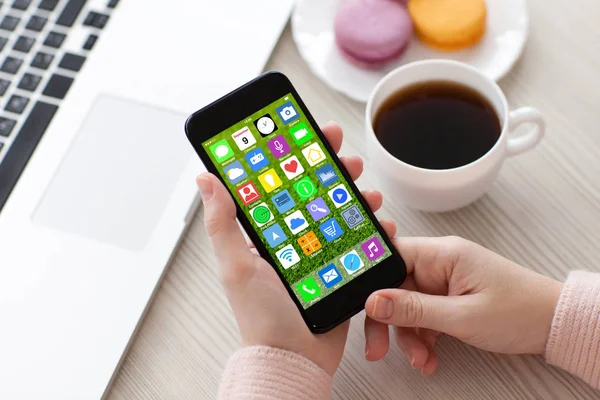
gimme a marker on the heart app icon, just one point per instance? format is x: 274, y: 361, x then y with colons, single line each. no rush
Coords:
x: 292, y: 166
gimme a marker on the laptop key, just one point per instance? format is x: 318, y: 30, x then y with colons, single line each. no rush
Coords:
x: 72, y: 62
x: 96, y: 20
x: 36, y: 23
x: 16, y: 104
x: 70, y: 12
x: 3, y: 42
x: 4, y: 84
x: 55, y: 39
x: 24, y: 44
x: 112, y: 3
x: 90, y: 42
x: 48, y: 5
x: 30, y: 82
x: 11, y: 65
x: 22, y: 148
x: 9, y: 23
x: 58, y: 86
x: 6, y: 126
x: 42, y: 60
x: 21, y: 4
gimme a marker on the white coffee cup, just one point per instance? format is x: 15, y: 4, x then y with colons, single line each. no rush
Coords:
x: 448, y: 189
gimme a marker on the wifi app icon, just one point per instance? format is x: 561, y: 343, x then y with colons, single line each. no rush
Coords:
x: 288, y: 256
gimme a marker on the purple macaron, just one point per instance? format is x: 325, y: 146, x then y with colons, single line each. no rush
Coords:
x: 372, y: 33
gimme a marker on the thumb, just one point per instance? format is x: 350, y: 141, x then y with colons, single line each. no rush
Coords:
x: 221, y: 223
x: 405, y: 308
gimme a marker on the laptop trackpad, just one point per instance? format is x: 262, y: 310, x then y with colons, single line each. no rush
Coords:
x: 118, y: 175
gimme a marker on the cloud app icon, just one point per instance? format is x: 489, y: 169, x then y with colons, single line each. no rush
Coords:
x: 296, y: 222
x: 235, y: 172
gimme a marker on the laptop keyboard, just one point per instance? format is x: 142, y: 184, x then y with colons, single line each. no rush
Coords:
x: 43, y: 46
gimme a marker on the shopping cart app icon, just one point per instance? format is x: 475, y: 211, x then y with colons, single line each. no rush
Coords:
x: 331, y: 230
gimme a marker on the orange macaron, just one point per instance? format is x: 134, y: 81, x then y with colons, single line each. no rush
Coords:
x: 448, y: 25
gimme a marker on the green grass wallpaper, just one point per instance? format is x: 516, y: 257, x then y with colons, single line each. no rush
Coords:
x: 233, y: 150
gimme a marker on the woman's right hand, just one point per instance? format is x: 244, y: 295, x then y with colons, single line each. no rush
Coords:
x: 461, y: 289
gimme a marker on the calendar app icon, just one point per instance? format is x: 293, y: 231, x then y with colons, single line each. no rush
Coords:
x: 243, y: 138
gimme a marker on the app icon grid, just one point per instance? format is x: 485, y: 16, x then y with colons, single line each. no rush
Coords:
x: 329, y: 253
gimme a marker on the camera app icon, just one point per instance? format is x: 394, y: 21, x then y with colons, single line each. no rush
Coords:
x: 287, y: 112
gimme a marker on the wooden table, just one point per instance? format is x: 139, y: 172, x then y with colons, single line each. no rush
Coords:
x: 543, y: 212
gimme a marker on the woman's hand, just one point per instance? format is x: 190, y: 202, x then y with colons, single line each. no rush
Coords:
x: 464, y: 290
x: 265, y: 313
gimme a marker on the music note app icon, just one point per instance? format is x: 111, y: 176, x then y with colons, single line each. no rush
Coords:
x: 373, y: 249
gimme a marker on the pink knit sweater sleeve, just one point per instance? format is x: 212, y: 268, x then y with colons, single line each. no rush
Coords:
x: 574, y: 341
x: 574, y: 344
x: 267, y: 373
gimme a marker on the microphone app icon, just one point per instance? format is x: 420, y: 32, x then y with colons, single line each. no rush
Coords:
x: 279, y: 146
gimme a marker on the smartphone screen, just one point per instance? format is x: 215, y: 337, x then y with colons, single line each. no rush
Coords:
x: 297, y: 200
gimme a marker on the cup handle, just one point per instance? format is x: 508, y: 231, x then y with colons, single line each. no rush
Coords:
x: 527, y: 141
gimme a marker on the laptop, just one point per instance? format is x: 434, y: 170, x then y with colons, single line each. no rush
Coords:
x: 96, y: 176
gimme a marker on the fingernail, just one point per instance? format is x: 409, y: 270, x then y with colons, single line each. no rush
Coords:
x: 206, y: 188
x: 412, y: 362
x: 366, y: 350
x: 383, y: 307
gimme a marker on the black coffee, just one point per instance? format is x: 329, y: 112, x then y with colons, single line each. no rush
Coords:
x: 437, y: 125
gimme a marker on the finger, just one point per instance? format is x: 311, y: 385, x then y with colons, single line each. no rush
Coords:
x: 389, y: 227
x: 406, y: 308
x: 432, y: 258
x: 430, y: 365
x: 248, y: 240
x: 354, y: 165
x: 413, y: 346
x: 334, y: 135
x: 409, y: 283
x: 374, y: 198
x: 377, y: 340
x: 221, y: 224
x: 429, y: 337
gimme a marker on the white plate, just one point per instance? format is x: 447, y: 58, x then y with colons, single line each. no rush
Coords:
x: 312, y: 29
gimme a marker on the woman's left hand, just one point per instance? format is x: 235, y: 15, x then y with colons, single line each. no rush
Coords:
x: 265, y: 313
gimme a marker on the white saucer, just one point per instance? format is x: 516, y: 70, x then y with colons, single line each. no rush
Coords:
x: 312, y: 29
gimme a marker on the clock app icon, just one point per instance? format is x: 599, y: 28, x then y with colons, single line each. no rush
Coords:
x: 265, y: 125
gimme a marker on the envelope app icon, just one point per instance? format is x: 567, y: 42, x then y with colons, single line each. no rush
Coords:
x: 330, y: 276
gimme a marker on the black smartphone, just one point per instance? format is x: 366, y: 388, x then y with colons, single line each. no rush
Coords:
x: 295, y: 199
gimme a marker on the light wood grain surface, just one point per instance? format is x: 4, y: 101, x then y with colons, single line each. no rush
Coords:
x: 543, y: 212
